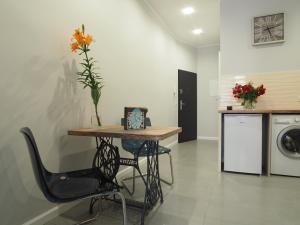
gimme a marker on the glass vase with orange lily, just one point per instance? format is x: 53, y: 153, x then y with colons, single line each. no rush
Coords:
x: 88, y: 76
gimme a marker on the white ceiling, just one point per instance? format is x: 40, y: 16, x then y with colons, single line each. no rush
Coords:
x: 206, y: 17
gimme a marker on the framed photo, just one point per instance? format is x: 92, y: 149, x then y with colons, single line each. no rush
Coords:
x: 268, y: 29
x: 135, y: 118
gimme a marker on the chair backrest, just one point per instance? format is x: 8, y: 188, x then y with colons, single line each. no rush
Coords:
x: 132, y: 145
x: 40, y: 173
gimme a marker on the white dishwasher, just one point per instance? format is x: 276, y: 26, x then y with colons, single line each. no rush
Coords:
x: 243, y: 143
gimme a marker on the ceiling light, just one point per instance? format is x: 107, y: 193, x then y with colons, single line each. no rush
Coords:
x: 197, y: 31
x: 188, y: 10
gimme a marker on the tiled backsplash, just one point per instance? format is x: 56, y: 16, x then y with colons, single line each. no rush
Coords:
x: 283, y: 90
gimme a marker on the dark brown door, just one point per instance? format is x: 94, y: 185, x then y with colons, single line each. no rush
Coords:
x: 187, y: 105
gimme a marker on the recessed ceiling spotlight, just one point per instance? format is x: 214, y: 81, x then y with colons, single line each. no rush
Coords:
x: 188, y: 10
x: 197, y: 31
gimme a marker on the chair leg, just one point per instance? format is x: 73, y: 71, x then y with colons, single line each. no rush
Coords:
x: 139, y: 175
x: 90, y: 220
x: 171, y: 167
x: 172, y: 172
x: 123, y: 207
x: 133, y: 182
x: 100, y: 206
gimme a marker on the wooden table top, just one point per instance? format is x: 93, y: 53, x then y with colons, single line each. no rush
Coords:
x: 150, y: 133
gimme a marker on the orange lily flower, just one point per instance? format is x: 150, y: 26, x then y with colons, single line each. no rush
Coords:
x: 78, y: 36
x: 88, y: 39
x: 74, y: 46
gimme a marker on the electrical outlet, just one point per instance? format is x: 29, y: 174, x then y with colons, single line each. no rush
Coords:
x: 299, y: 98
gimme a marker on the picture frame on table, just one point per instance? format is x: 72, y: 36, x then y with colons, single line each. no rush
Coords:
x: 135, y: 118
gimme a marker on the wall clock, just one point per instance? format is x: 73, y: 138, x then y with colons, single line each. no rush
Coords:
x: 268, y: 29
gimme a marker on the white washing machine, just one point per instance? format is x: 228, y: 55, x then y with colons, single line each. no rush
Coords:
x: 285, y: 154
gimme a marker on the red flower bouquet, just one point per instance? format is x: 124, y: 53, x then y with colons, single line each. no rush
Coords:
x: 248, y: 94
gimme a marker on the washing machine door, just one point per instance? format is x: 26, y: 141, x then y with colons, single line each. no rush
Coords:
x: 288, y: 142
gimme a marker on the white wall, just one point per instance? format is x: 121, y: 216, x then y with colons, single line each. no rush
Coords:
x: 138, y: 61
x: 207, y: 71
x: 237, y: 53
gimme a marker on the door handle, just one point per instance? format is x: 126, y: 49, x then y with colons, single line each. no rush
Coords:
x: 181, y: 104
x: 282, y: 122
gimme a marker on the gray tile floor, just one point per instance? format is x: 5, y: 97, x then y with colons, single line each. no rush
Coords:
x: 202, y: 196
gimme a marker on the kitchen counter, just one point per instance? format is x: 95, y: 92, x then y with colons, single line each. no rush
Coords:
x: 267, y: 130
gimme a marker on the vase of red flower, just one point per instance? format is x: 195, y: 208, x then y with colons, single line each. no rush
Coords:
x: 249, y: 104
x: 248, y: 94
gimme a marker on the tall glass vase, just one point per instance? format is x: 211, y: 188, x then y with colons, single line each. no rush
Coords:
x: 249, y: 104
x: 94, y: 121
x: 95, y: 118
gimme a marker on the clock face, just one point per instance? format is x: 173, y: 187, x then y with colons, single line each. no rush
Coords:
x: 268, y: 29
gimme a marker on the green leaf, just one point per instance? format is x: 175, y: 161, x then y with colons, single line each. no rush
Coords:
x: 84, y: 64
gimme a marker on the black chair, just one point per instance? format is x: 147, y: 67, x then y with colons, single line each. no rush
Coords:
x: 136, y: 148
x: 70, y: 186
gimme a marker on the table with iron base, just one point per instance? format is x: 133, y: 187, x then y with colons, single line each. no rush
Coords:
x: 107, y: 156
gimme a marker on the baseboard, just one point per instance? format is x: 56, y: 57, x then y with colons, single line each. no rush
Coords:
x: 207, y: 138
x: 59, y: 209
x: 51, y: 213
x: 172, y: 144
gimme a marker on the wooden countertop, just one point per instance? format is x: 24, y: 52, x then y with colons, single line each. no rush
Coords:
x: 150, y: 133
x: 267, y: 111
